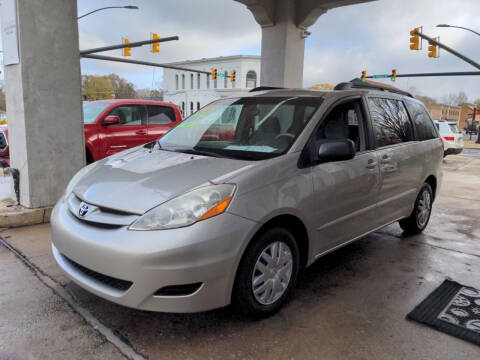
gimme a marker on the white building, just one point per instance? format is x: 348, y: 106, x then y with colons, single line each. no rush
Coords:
x: 191, y: 91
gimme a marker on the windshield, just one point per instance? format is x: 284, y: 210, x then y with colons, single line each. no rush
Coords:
x: 91, y: 110
x: 244, y: 128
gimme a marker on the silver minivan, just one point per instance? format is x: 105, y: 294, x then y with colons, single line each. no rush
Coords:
x: 229, y: 205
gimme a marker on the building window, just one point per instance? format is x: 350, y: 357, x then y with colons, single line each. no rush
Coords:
x: 208, y: 81
x: 251, y: 79
x: 176, y: 82
x: 183, y: 81
x: 191, y: 107
x: 198, y: 81
x: 183, y: 108
x: 225, y: 79
x: 191, y: 81
x: 198, y: 105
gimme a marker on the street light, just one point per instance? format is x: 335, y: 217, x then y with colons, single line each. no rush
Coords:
x: 131, y: 7
x: 458, y: 27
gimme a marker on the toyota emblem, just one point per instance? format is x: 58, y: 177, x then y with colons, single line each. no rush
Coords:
x: 83, y: 210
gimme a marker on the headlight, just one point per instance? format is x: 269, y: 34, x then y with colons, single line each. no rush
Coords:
x: 187, y: 209
x: 78, y: 176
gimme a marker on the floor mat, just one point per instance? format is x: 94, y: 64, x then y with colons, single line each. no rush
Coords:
x: 453, y: 309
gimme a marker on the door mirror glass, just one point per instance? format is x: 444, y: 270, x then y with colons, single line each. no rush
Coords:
x: 335, y: 150
x: 111, y: 120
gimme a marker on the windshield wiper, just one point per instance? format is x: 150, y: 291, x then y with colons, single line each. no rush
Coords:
x: 195, y: 151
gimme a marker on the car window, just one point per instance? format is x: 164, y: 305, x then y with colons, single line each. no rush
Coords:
x: 344, y: 122
x: 390, y: 121
x: 160, y: 115
x: 454, y: 128
x: 91, y: 110
x: 131, y: 114
x: 422, y: 121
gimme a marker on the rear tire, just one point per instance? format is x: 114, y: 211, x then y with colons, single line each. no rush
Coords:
x: 267, y: 274
x: 418, y: 219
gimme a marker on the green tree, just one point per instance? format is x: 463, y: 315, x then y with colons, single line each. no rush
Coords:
x: 122, y: 88
x: 97, y: 87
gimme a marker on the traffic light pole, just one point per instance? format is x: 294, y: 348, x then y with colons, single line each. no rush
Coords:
x: 132, y: 44
x: 138, y: 62
x: 457, y: 73
x: 446, y: 48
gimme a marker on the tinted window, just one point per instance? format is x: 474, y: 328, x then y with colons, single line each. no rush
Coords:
x: 160, y: 115
x: 423, y: 124
x: 130, y: 114
x: 391, y: 124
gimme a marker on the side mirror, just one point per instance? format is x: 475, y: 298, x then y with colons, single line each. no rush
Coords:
x: 336, y: 150
x: 111, y: 120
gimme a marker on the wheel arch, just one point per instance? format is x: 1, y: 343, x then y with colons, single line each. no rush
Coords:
x: 432, y: 181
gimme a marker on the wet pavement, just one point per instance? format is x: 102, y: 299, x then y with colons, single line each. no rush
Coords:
x: 350, y: 304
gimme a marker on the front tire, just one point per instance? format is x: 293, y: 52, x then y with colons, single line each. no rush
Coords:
x: 267, y: 274
x: 418, y: 219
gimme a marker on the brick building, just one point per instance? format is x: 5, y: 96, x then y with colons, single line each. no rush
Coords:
x: 444, y: 112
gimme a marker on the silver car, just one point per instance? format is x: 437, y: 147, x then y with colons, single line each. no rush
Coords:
x: 229, y: 205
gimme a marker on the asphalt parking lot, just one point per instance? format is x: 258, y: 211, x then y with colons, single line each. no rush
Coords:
x: 350, y: 304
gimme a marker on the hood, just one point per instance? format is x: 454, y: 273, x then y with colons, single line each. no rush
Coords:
x: 136, y: 181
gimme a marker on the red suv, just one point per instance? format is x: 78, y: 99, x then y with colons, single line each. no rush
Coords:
x: 115, y: 125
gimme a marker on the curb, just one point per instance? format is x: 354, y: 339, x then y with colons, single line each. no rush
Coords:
x: 20, y: 216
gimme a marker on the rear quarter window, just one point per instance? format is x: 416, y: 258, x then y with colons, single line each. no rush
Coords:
x: 424, y: 126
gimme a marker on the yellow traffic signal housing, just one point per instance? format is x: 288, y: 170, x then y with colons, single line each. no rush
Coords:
x: 214, y: 73
x: 432, y: 50
x: 155, y: 46
x: 364, y: 75
x: 414, y: 39
x: 128, y: 50
x: 232, y: 76
x: 394, y: 75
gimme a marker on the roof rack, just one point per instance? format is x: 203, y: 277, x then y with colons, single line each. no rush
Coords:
x: 359, y: 84
x: 262, y: 88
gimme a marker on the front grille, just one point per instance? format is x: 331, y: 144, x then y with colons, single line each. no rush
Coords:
x: 119, y: 284
x: 3, y: 141
x: 178, y: 290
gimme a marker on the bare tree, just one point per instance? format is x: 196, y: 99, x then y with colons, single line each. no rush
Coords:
x: 427, y: 100
x: 455, y: 99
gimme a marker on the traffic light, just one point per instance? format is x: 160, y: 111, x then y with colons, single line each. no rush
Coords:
x: 127, y: 51
x: 155, y: 46
x: 232, y: 76
x: 433, y: 49
x: 364, y: 75
x: 394, y: 75
x: 214, y: 73
x: 414, y: 39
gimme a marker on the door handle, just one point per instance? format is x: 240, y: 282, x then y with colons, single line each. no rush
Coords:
x: 141, y: 132
x: 371, y: 164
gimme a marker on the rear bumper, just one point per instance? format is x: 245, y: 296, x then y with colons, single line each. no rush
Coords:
x: 453, y: 151
x: 207, y: 252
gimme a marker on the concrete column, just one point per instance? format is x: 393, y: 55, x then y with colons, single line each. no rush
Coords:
x: 43, y: 94
x: 283, y: 49
x: 283, y: 25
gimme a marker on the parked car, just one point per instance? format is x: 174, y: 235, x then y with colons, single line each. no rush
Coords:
x: 191, y: 223
x: 112, y: 126
x: 452, y: 137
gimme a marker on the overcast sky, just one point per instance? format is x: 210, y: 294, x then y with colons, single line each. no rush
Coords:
x: 344, y: 41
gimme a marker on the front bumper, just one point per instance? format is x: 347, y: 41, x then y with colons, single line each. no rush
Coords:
x: 207, y: 252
